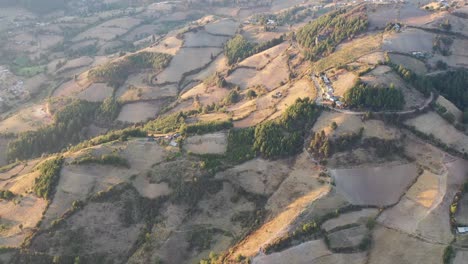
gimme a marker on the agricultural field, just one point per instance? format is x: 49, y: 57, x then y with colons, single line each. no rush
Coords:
x: 273, y: 75
x: 96, y: 92
x: 451, y: 108
x: 408, y: 40
x: 109, y: 29
x: 342, y: 81
x: 205, y: 154
x: 432, y: 123
x: 383, y: 76
x: 138, y: 88
x: 352, y: 124
x: 207, y: 144
x: 390, y: 246
x: 27, y: 119
x: 411, y: 63
x: 372, y: 186
x: 256, y: 33
x: 349, y: 52
x: 139, y: 112
x: 185, y: 61
x: 381, y: 15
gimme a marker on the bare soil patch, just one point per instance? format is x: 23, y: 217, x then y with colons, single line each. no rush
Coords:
x: 352, y: 124
x: 357, y: 217
x: 277, y: 225
x: 136, y: 88
x: 409, y: 62
x: 106, y: 227
x: 380, y: 15
x: 314, y: 251
x: 257, y: 33
x: 222, y: 27
x: 203, y: 39
x: 349, y: 52
x: 343, y: 81
x: 28, y: 119
x: 215, y: 143
x: 290, y: 93
x: 218, y: 65
x: 170, y: 45
x: 206, y: 95
x: 372, y: 58
x: 346, y: 238
x: 460, y: 257
x: 302, y: 180
x: 109, y: 29
x: 383, y: 76
x: 395, y: 247
x: 378, y: 186
x: 150, y: 190
x: 257, y: 176
x: 408, y: 40
x: 96, y: 92
x: 186, y: 60
x: 275, y: 74
x: 260, y: 60
x: 139, y: 112
x: 68, y: 89
x: 28, y: 212
x: 432, y: 123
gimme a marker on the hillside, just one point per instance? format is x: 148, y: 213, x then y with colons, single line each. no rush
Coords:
x: 233, y: 132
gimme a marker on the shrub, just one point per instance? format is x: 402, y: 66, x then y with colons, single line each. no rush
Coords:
x: 106, y: 159
x: 166, y: 124
x: 7, y: 195
x: 370, y: 224
x: 251, y: 94
x: 449, y: 254
x: 232, y: 98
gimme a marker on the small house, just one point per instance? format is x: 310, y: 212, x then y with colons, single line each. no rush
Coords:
x: 325, y: 79
x: 462, y: 229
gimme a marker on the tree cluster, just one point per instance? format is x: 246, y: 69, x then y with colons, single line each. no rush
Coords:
x: 421, y: 83
x: 239, y: 48
x: 106, y: 159
x: 44, y: 185
x: 453, y: 85
x: 206, y: 127
x: 375, y: 98
x: 115, y: 73
x: 285, y: 137
x: 321, y: 36
x: 69, y: 127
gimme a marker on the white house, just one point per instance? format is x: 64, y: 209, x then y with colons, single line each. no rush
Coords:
x: 462, y: 229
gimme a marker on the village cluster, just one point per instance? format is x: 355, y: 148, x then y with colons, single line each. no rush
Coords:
x: 10, y: 86
x: 328, y: 92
